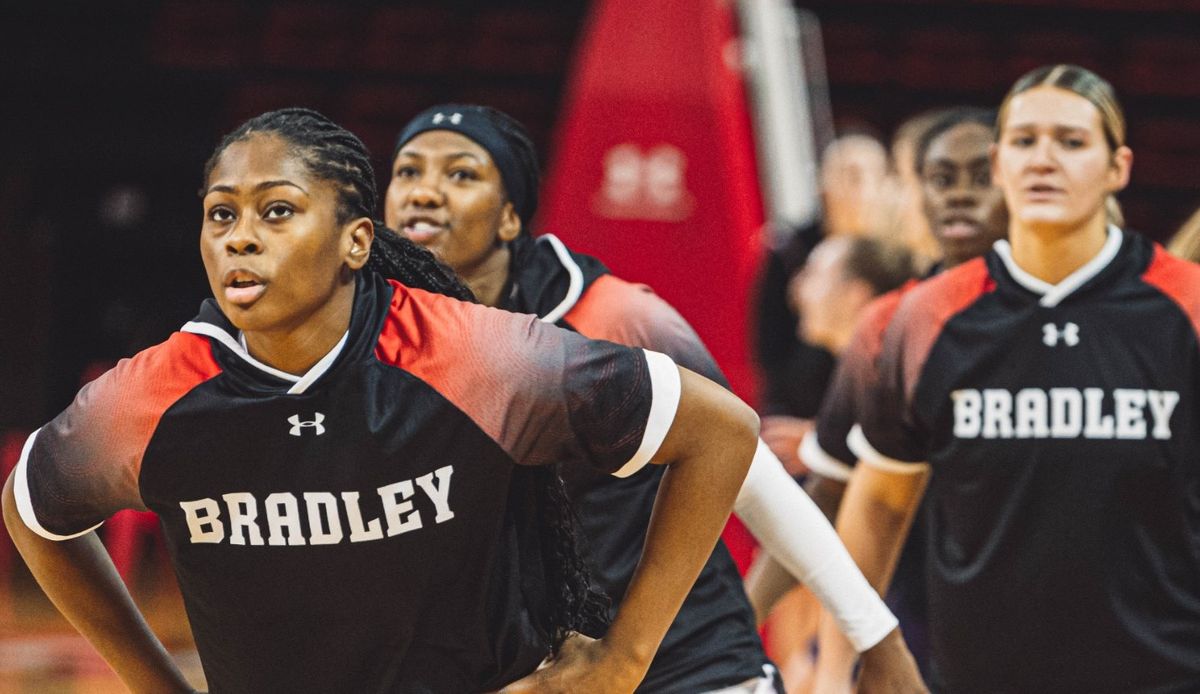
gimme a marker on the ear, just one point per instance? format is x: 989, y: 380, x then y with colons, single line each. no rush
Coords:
x: 357, y: 236
x: 510, y: 223
x: 994, y: 158
x: 1122, y: 165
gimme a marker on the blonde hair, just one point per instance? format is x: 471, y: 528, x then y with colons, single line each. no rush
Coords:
x: 1186, y: 242
x: 1089, y: 85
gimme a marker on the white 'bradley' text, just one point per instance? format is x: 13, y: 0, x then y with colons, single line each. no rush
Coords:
x: 245, y: 517
x: 1063, y: 413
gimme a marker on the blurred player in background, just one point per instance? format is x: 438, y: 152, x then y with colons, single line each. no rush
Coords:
x: 1049, y: 392
x: 464, y: 184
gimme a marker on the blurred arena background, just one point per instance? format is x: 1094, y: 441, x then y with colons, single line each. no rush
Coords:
x: 110, y: 109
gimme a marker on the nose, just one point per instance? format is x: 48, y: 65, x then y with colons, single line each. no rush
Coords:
x: 963, y: 193
x: 427, y: 192
x: 1042, y: 157
x: 243, y: 239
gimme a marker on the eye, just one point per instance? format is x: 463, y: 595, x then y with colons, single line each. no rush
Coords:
x: 220, y: 214
x: 982, y: 179
x: 406, y: 172
x: 940, y: 180
x: 1021, y: 141
x: 278, y: 210
x: 1073, y: 142
x: 460, y: 175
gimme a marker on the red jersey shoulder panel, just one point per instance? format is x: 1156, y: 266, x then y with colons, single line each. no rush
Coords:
x: 616, y: 310
x: 540, y: 392
x: 1179, y: 279
x: 924, y: 309
x: 875, y: 318
x: 85, y: 464
x: 632, y: 314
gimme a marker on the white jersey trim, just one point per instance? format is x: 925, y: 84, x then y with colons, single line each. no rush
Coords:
x: 574, y: 289
x: 819, y: 461
x: 25, y: 501
x: 299, y: 383
x: 857, y: 441
x: 664, y: 403
x: 1053, y: 294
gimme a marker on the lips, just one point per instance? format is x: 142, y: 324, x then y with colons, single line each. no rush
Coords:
x: 1042, y: 192
x: 421, y: 229
x: 243, y: 287
x: 959, y: 228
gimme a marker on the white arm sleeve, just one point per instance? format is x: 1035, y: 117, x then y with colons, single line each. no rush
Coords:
x: 795, y: 533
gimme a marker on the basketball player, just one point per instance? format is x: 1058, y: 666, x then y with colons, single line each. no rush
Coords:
x: 966, y: 214
x: 349, y: 459
x: 1049, y: 392
x: 464, y: 184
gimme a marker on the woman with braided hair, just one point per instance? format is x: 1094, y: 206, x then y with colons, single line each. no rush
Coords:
x: 464, y: 184
x: 349, y: 460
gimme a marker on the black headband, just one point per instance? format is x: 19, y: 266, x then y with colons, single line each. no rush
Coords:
x: 476, y: 123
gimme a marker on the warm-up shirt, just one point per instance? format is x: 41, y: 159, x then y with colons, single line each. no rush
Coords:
x: 1062, y: 426
x: 352, y: 529
x: 713, y: 642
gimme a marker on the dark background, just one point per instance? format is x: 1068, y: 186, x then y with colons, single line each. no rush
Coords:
x: 110, y: 112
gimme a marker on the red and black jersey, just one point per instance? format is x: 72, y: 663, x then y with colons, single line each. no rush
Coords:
x: 1062, y: 426
x: 713, y: 642
x: 825, y: 450
x: 353, y: 529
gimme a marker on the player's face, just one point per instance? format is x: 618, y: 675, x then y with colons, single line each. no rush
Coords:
x: 446, y: 194
x: 828, y: 299
x: 273, y: 250
x: 965, y: 211
x: 1053, y: 162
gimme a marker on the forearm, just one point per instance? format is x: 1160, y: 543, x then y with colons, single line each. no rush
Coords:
x: 795, y: 533
x: 710, y: 447
x: 876, y: 513
x: 79, y: 578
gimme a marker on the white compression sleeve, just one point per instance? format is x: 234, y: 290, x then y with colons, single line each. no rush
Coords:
x: 795, y: 533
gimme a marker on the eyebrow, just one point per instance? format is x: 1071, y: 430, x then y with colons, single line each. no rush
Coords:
x: 1057, y: 127
x: 261, y: 186
x: 452, y: 155
x: 953, y: 163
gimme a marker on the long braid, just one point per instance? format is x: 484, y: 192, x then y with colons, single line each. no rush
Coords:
x: 332, y: 153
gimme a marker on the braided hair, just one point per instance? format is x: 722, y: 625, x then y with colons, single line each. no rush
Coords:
x: 332, y: 153
x: 561, y: 599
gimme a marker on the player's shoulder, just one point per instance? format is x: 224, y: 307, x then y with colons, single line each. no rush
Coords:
x: 1176, y: 278
x: 621, y: 311
x: 181, y: 361
x: 142, y: 387
x: 937, y: 299
x: 879, y: 312
x: 424, y: 326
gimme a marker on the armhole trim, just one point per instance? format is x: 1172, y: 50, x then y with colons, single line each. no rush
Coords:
x: 821, y: 462
x: 25, y: 501
x: 866, y: 453
x: 666, y: 387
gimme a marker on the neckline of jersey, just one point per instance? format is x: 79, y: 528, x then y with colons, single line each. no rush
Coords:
x: 574, y: 289
x: 1053, y: 294
x: 300, y: 384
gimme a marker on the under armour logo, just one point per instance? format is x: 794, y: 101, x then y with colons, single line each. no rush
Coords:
x: 298, y: 426
x: 454, y: 118
x: 1069, y: 334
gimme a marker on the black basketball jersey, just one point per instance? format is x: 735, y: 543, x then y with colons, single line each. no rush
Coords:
x: 353, y: 529
x: 1062, y: 428
x: 713, y: 642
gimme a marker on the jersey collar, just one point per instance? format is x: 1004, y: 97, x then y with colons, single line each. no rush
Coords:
x: 213, y: 324
x: 548, y: 279
x: 1053, y: 294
